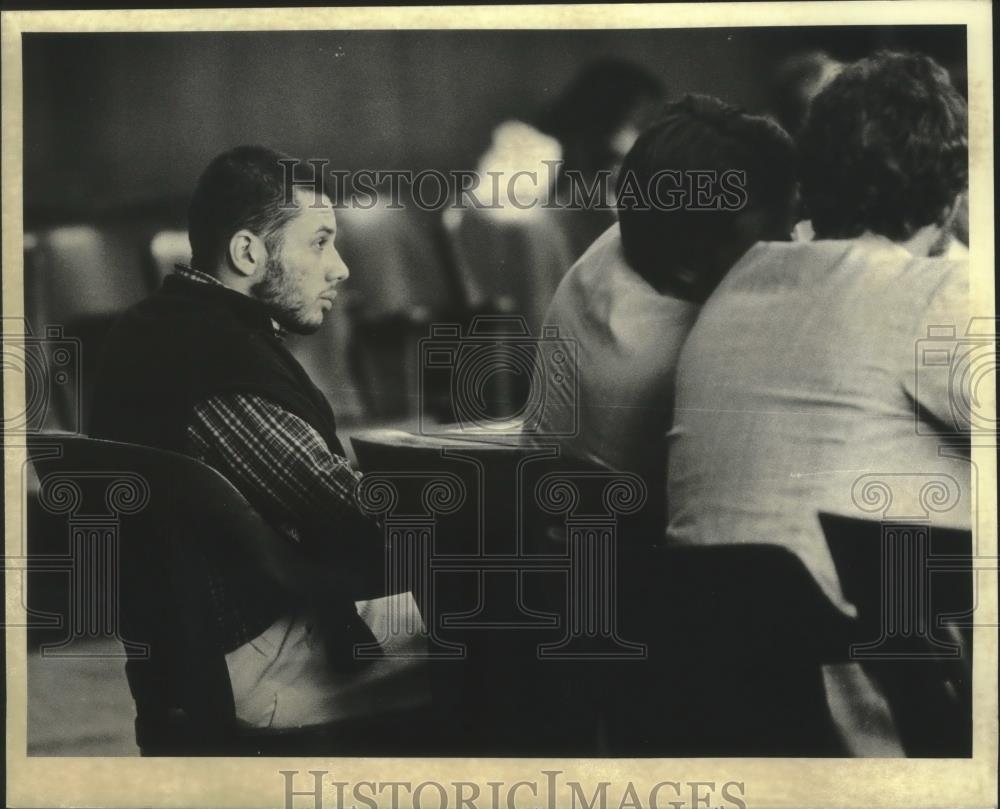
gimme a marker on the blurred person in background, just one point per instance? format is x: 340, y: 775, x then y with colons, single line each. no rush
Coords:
x: 201, y: 368
x: 596, y: 120
x: 799, y: 376
x: 511, y: 256
x: 793, y: 85
x: 796, y: 81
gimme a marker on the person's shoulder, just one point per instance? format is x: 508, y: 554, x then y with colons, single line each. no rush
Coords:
x: 605, y: 246
x: 182, y: 322
x: 194, y: 305
x: 940, y: 282
x: 785, y: 262
x: 602, y: 256
x: 770, y: 254
x: 818, y: 247
x: 951, y: 267
x: 134, y: 320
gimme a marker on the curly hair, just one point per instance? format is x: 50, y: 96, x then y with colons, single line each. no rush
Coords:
x: 884, y: 148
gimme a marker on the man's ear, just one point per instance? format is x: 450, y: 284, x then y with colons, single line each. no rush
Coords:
x: 247, y: 253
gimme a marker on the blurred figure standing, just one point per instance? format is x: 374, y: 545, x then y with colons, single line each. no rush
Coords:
x: 511, y: 256
x: 597, y: 119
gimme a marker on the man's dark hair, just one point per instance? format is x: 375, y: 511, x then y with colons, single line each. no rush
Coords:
x: 241, y: 188
x: 884, y: 148
x: 700, y: 133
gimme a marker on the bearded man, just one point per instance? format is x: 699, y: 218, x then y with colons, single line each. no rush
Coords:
x: 200, y: 368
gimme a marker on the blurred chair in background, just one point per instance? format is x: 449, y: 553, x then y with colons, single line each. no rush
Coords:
x: 167, y: 249
x: 401, y: 280
x: 85, y: 271
x: 77, y: 278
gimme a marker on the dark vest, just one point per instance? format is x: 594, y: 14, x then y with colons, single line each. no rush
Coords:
x: 188, y: 342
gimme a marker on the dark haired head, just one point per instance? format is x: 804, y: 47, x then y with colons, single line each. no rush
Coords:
x: 686, y: 248
x: 884, y: 149
x: 243, y: 188
x: 601, y: 99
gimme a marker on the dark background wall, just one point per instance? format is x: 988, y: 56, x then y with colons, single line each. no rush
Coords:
x: 115, y: 121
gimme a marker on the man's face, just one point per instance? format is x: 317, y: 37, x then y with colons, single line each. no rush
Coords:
x: 301, y: 275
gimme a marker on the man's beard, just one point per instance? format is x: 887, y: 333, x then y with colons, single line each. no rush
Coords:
x: 276, y: 292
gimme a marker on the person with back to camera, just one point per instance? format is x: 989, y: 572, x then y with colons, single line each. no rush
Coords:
x: 799, y: 377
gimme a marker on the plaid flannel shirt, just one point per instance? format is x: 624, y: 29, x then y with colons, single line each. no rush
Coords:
x: 277, y: 460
